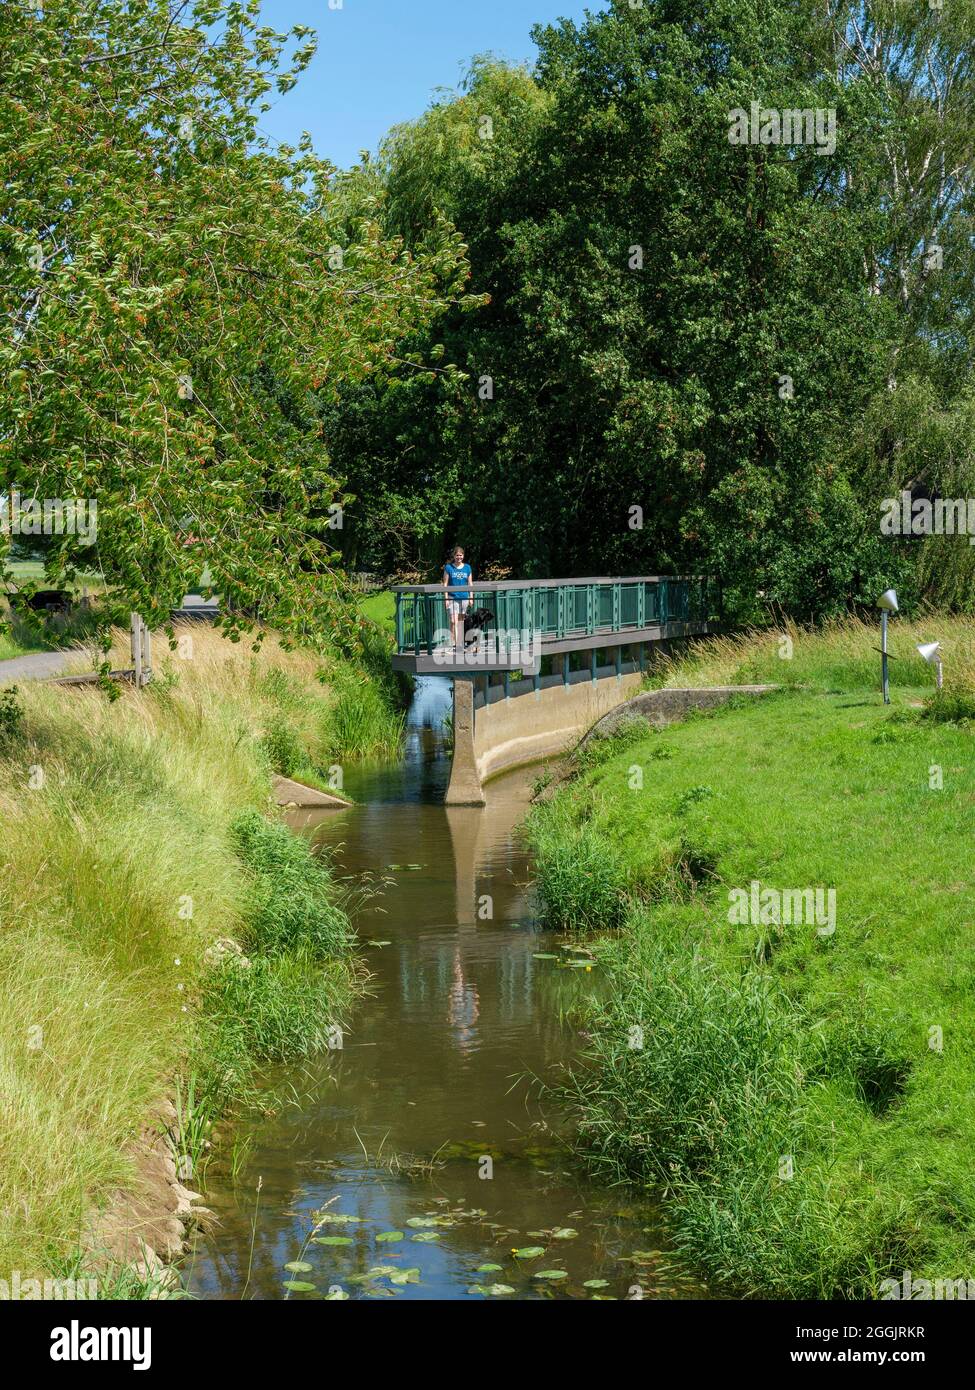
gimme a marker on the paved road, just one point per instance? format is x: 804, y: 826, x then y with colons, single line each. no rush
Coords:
x: 38, y: 666
x: 34, y: 666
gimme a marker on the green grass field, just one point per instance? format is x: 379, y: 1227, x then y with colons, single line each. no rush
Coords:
x: 380, y: 608
x: 805, y: 1096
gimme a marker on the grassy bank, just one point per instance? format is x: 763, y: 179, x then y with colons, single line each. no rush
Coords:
x: 137, y: 833
x: 804, y: 1093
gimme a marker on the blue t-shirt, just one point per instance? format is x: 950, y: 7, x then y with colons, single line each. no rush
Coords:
x: 457, y: 575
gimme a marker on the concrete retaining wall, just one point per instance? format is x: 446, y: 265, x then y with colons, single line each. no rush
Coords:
x: 661, y: 707
x: 532, y: 725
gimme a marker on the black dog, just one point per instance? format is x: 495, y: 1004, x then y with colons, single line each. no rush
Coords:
x: 475, y: 626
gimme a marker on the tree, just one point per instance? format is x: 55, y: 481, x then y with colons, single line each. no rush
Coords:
x: 688, y: 338
x: 178, y: 299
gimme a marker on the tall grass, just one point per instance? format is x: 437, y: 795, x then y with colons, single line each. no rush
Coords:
x: 134, y: 837
x: 840, y: 655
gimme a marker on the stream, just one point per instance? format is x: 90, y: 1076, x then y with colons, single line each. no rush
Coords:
x: 416, y: 1159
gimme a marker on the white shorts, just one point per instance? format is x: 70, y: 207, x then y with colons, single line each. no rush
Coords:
x: 457, y: 606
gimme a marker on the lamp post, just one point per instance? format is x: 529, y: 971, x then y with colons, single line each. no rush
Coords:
x: 931, y: 651
x: 887, y: 603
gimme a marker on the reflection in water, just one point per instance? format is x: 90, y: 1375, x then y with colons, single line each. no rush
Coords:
x: 426, y: 1114
x: 463, y: 1010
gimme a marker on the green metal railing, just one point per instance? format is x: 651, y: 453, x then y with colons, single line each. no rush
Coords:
x: 556, y: 610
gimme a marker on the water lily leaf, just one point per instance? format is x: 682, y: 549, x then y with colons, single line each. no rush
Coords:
x: 426, y: 1235
x: 489, y: 1269
x: 332, y: 1240
x: 390, y: 1235
x: 299, y: 1267
x: 564, y: 1233
x: 529, y: 1252
x: 299, y: 1286
x: 550, y: 1274
x: 379, y: 943
x: 336, y: 1296
x: 337, y: 1218
x: 544, y: 955
x: 596, y: 1284
x: 405, y: 1276
x: 496, y: 1290
x: 429, y: 1221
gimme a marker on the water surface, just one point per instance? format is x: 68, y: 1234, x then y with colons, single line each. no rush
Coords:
x: 425, y: 1123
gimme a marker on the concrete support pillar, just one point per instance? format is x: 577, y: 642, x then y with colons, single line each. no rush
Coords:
x: 465, y: 783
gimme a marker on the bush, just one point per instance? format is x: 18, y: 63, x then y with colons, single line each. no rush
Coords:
x: 581, y: 885
x: 282, y: 748
x: 296, y: 906
x: 950, y: 706
x: 11, y: 717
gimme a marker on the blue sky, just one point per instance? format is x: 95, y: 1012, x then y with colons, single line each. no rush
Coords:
x: 379, y: 61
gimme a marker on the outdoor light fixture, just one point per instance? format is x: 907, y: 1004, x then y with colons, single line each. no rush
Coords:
x: 931, y: 651
x: 887, y: 603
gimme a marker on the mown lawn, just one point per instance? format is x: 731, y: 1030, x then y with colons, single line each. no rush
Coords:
x: 380, y: 608
x: 806, y: 1096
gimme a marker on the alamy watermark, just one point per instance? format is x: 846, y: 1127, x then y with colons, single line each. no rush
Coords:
x: 924, y: 1290
x: 758, y: 906
x: 907, y: 515
x: 514, y: 646
x: 49, y: 516
x: 17, y: 1289
x: 764, y: 125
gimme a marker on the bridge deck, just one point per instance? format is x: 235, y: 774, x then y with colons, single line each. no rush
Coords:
x: 446, y: 661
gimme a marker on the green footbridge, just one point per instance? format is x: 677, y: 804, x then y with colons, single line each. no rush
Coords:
x: 558, y: 655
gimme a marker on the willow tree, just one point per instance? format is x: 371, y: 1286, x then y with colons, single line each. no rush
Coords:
x: 179, y: 295
x: 911, y: 70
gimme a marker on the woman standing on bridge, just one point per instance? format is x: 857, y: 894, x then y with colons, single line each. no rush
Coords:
x: 456, y: 578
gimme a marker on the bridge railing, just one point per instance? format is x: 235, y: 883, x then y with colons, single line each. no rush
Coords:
x: 555, y: 610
